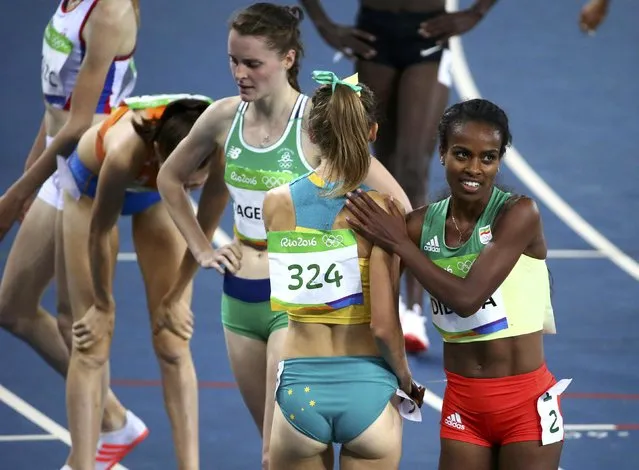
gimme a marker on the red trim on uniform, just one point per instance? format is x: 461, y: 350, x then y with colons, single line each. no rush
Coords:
x: 84, y: 22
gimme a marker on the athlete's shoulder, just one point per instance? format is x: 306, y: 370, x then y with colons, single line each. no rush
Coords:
x: 278, y: 195
x: 383, y: 200
x: 110, y: 12
x: 224, y: 107
x: 216, y: 119
x: 418, y: 214
x: 277, y: 207
x: 521, y: 207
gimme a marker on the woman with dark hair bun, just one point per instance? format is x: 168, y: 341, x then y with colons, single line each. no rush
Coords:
x: 481, y: 255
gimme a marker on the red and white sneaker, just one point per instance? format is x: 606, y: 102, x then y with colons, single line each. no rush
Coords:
x: 115, y: 445
x: 414, y: 328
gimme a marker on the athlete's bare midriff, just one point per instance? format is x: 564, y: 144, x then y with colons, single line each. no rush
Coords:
x: 496, y: 358
x: 321, y: 340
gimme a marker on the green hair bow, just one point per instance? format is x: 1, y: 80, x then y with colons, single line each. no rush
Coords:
x: 329, y: 78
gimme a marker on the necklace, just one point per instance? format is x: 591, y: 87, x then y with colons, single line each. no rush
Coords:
x: 459, y: 242
x: 452, y: 217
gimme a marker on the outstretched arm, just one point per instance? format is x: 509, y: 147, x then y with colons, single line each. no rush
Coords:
x: 518, y: 227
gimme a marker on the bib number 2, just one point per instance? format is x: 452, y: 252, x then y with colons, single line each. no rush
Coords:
x: 551, y: 420
x: 308, y: 277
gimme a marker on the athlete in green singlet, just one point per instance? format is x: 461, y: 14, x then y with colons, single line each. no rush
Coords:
x: 263, y: 132
x: 481, y: 253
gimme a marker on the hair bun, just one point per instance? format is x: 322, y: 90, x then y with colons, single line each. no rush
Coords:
x: 296, y: 12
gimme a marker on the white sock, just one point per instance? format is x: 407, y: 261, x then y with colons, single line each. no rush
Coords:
x: 132, y: 429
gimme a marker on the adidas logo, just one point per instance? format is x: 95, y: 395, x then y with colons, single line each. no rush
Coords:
x: 432, y: 245
x: 454, y: 421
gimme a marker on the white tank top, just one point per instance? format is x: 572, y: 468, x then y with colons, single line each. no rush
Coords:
x: 63, y: 52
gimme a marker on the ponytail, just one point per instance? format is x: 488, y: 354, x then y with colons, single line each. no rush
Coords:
x: 340, y: 124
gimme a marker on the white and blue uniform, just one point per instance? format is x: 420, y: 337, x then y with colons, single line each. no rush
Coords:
x: 63, y: 51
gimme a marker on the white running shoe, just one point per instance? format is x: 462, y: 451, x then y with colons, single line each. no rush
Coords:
x: 115, y: 445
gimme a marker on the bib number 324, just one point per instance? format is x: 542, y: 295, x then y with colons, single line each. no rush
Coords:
x: 312, y: 276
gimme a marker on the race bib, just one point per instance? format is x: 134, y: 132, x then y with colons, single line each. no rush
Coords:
x: 248, y: 188
x: 280, y: 369
x: 490, y: 317
x: 56, y: 49
x: 551, y: 420
x: 317, y: 270
x: 408, y: 409
x: 247, y: 213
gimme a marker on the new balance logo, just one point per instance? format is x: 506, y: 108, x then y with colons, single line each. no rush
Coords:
x: 234, y: 153
x: 432, y: 245
x: 454, y: 421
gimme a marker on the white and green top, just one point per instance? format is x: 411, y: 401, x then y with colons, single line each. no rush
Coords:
x: 520, y: 305
x: 250, y: 171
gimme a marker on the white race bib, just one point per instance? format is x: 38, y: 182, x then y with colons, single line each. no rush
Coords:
x: 56, y: 50
x: 247, y: 212
x: 408, y: 409
x: 248, y: 188
x: 489, y: 318
x: 317, y: 270
x: 551, y: 420
x: 280, y: 369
